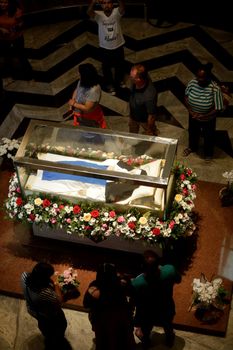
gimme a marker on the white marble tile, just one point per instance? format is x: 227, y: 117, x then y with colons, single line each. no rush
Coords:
x: 26, y: 335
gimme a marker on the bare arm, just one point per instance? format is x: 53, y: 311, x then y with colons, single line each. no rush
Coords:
x: 90, y: 10
x: 122, y: 7
x: 85, y: 108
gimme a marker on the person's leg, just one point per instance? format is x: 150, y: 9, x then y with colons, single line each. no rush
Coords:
x: 53, y: 330
x: 209, y: 138
x: 21, y: 68
x: 194, y: 134
x: 134, y: 126
x: 169, y: 333
x: 106, y: 58
x: 119, y: 65
x: 146, y: 330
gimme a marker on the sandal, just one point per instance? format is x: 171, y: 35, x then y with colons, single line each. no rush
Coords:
x: 187, y: 152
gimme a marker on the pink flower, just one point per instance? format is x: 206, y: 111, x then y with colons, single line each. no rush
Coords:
x: 172, y: 224
x: 185, y: 191
x: 182, y: 177
x: 68, y: 220
x: 53, y: 221
x: 121, y: 219
x: 18, y: 190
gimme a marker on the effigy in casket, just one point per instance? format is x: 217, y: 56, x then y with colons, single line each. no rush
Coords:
x: 86, y: 165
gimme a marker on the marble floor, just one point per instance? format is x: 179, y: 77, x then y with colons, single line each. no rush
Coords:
x: 171, y: 54
x: 18, y: 331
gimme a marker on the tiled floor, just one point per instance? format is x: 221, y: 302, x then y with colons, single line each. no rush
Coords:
x: 18, y: 331
x: 171, y: 54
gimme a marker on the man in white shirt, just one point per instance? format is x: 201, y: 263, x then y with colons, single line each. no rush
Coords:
x: 111, y: 41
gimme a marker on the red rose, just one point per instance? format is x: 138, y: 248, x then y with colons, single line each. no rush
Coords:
x: 131, y: 225
x: 46, y: 203
x: 19, y: 201
x: 95, y: 213
x: 112, y: 214
x: 156, y: 231
x: 61, y: 207
x: 32, y: 217
x: 76, y: 209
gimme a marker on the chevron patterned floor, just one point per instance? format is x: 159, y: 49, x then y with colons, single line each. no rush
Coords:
x: 171, y: 55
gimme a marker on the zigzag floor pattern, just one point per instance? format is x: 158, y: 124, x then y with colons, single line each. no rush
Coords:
x: 171, y: 55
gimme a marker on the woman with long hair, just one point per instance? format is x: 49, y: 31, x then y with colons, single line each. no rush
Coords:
x: 86, y: 97
x: 110, y: 313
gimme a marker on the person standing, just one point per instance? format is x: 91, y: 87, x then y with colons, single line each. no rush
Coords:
x: 153, y: 298
x: 142, y: 102
x: 13, y: 61
x: 204, y: 100
x: 111, y: 41
x: 110, y: 313
x: 86, y: 97
x: 43, y: 300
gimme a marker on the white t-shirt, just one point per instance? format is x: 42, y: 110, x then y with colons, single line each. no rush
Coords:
x: 110, y: 33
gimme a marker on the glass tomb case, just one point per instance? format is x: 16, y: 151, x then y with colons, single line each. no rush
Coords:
x: 87, y: 164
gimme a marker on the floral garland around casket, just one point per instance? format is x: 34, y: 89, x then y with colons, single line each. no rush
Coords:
x: 87, y: 220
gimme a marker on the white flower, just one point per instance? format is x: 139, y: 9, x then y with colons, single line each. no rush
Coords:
x: 8, y: 147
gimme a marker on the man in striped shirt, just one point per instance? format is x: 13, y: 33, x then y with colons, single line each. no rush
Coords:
x: 204, y: 100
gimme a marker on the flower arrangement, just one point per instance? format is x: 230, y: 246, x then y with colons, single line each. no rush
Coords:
x: 88, y: 220
x: 8, y: 147
x: 68, y: 283
x: 208, y: 293
x: 229, y: 176
x: 86, y: 153
x: 226, y: 193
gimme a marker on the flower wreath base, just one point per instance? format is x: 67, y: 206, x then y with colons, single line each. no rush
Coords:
x: 87, y: 220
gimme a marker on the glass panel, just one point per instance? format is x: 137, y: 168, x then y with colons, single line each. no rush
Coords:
x: 96, y: 165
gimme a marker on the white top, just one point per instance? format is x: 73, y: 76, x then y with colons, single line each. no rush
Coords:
x: 110, y: 33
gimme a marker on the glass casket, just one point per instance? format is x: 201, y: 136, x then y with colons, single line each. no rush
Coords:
x: 86, y: 165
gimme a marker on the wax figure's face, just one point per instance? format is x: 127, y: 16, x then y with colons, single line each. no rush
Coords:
x: 107, y: 6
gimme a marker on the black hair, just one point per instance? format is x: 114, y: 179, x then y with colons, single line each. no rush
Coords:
x: 106, y: 275
x: 40, y: 277
x: 207, y: 68
x: 88, y: 75
x: 150, y: 264
x: 12, y: 7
